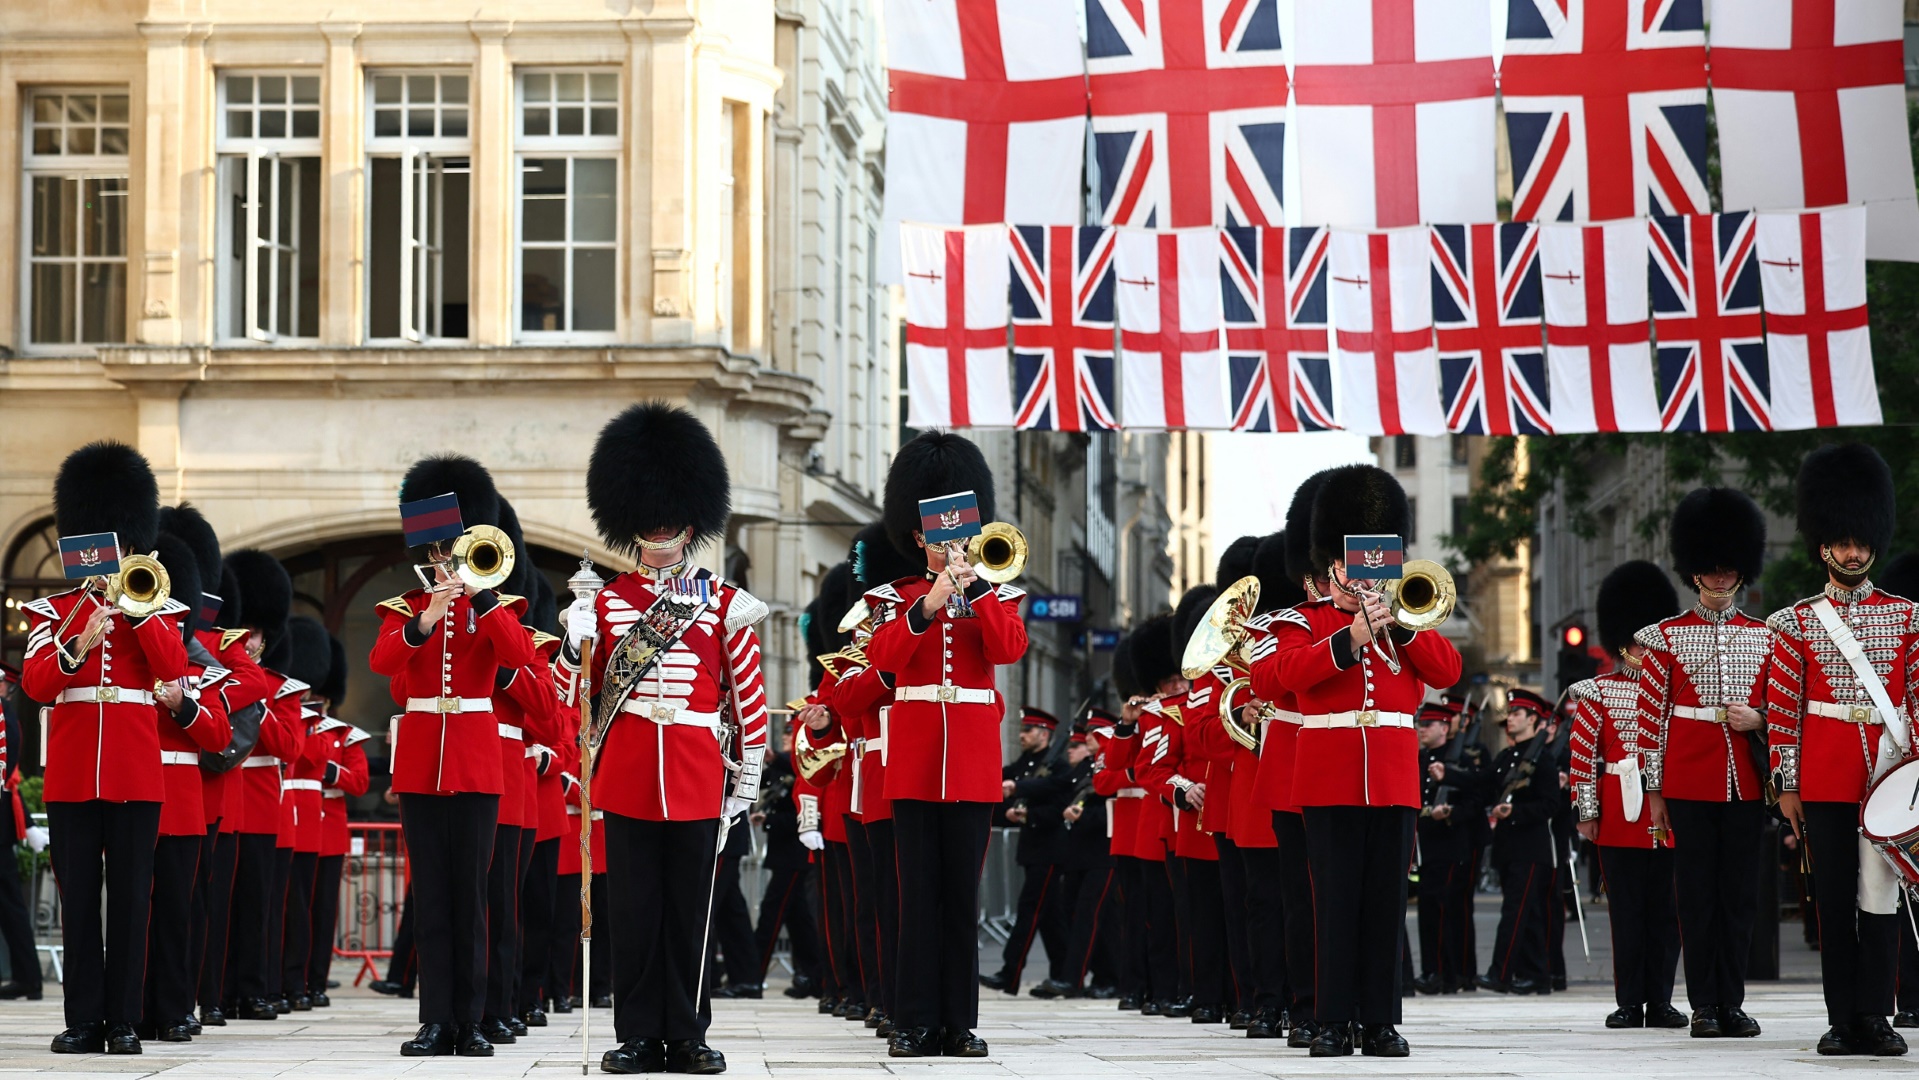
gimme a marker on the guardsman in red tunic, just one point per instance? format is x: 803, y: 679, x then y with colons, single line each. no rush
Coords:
x: 1702, y: 699
x: 1155, y: 670
x: 1183, y: 778
x: 443, y: 650
x: 1357, y: 764
x: 193, y: 719
x: 301, y: 801
x: 940, y: 636
x: 679, y: 696
x: 104, y: 777
x: 1608, y: 754
x: 838, y: 891
x: 1834, y: 732
x: 344, y: 774
x: 1126, y: 921
x: 539, y: 887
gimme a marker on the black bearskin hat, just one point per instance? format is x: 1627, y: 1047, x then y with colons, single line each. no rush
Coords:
x: 108, y: 486
x: 1845, y: 493
x: 1718, y: 528
x: 542, y: 605
x: 461, y: 475
x: 267, y: 589
x: 1634, y: 596
x: 1187, y: 617
x: 1278, y: 588
x: 1236, y: 561
x: 810, y: 637
x: 1124, y: 682
x: 334, y: 688
x: 877, y: 562
x: 935, y: 463
x: 183, y: 573
x: 520, y: 581
x: 1299, y: 529
x: 187, y: 523
x: 1901, y: 577
x: 1154, y: 657
x: 310, y: 651
x: 232, y: 607
x: 836, y: 599
x: 1356, y: 500
x: 654, y: 467
x: 278, y: 654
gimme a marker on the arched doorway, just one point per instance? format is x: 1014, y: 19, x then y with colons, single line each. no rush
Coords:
x: 31, y: 570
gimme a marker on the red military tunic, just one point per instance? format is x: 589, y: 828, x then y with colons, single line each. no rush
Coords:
x: 282, y: 739
x: 942, y: 738
x: 345, y: 773
x: 246, y: 686
x: 1824, y: 730
x: 304, y: 787
x: 661, y: 759
x: 549, y: 795
x: 1607, y: 755
x: 102, y: 739
x: 1193, y: 829
x: 1232, y: 795
x: 1114, y: 778
x: 1356, y: 742
x: 863, y: 698
x: 836, y: 780
x: 1279, y: 735
x: 184, y: 813
x: 526, y: 708
x: 1696, y: 663
x: 1154, y: 764
x: 448, y: 740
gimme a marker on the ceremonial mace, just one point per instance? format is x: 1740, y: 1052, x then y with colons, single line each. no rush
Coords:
x: 585, y: 585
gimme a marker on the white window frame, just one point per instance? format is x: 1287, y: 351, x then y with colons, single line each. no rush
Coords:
x: 257, y: 150
x: 418, y: 155
x: 79, y: 168
x: 571, y: 148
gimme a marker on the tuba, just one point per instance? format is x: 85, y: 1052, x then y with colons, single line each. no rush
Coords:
x: 1222, y: 637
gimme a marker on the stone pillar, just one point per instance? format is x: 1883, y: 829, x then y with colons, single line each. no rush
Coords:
x: 342, y: 250
x: 748, y: 316
x: 491, y: 312
x: 157, y: 185
x: 659, y: 293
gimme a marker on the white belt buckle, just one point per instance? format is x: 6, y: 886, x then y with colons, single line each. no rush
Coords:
x: 661, y: 713
x: 1366, y: 718
x: 106, y: 695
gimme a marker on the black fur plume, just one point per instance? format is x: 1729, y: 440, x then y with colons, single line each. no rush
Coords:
x: 1356, y: 500
x: 1635, y: 595
x: 266, y: 589
x: 108, y: 486
x: 461, y: 475
x: 1125, y: 682
x: 520, y: 581
x: 187, y: 523
x: 656, y: 466
x: 1846, y: 493
x: 1188, y: 615
x: 1236, y: 561
x: 233, y: 609
x: 1153, y: 653
x: 1278, y: 588
x: 934, y: 463
x: 183, y: 573
x: 1299, y: 528
x: 1900, y: 577
x: 311, y: 656
x: 334, y: 688
x: 877, y: 562
x: 1718, y: 528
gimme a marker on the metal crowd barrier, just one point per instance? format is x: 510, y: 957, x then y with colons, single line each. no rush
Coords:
x: 372, y: 890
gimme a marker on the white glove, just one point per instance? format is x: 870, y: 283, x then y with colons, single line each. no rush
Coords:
x: 812, y: 839
x: 37, y: 838
x: 734, y: 806
x: 582, y: 623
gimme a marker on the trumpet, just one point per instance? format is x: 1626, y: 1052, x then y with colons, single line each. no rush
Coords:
x: 997, y: 552
x: 481, y: 557
x: 139, y: 589
x: 1222, y: 637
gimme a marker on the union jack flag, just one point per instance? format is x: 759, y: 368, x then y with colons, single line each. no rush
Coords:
x: 1273, y: 288
x: 1489, y: 314
x: 1605, y: 108
x: 1189, y: 111
x: 1062, y: 298
x: 1704, y: 282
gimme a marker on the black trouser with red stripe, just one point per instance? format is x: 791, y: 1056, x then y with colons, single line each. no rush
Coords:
x: 1265, y: 914
x: 539, y: 931
x: 1042, y: 909
x: 16, y: 920
x: 941, y: 848
x: 95, y: 845
x: 1858, y: 951
x: 886, y: 909
x: 1239, y: 953
x: 1645, y: 925
x: 788, y: 902
x: 1519, y: 950
x: 1203, y: 936
x: 326, y: 920
x: 1158, y: 920
x: 659, y: 885
x: 1444, y: 892
x: 503, y: 921
x: 449, y: 841
x: 864, y: 912
x: 1717, y: 882
x: 298, y: 945
x: 1126, y: 933
x: 1087, y: 894
x: 170, y: 968
x: 1302, y: 929
x: 201, y: 911
x: 1359, y: 856
x: 245, y: 957
x: 836, y: 909
x: 277, y: 920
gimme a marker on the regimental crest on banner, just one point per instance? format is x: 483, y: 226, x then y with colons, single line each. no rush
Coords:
x: 1278, y: 355
x: 1374, y: 557
x: 1711, y: 356
x: 1062, y: 305
x: 1487, y: 314
x: 950, y: 517
x: 91, y: 555
x: 432, y: 519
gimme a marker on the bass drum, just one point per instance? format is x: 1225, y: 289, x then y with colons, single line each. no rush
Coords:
x: 1889, y: 820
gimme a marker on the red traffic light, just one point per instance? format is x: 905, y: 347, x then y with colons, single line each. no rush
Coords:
x: 1573, y: 637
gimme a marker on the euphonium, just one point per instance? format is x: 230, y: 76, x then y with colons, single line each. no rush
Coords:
x: 1221, y: 637
x: 810, y: 760
x: 1423, y: 597
x: 482, y: 557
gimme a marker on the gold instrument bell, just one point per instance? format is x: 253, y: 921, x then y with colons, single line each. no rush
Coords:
x: 810, y: 760
x: 997, y: 552
x: 1222, y: 637
x: 140, y: 588
x: 482, y: 557
x: 859, y: 616
x: 1423, y: 597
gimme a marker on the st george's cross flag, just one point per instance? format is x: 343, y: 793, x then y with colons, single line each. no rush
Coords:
x: 1605, y: 105
x: 1487, y: 316
x: 987, y: 113
x: 956, y: 319
x: 1598, y: 333
x: 1812, y: 270
x: 1171, y: 373
x: 1278, y: 357
x: 1062, y: 302
x: 1188, y: 101
x: 1382, y: 304
x: 1810, y: 98
x: 1393, y: 112
x: 1705, y: 308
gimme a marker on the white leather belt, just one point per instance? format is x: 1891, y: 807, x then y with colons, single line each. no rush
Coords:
x: 260, y: 762
x: 1362, y: 718
x: 1130, y: 793
x: 179, y: 757
x: 945, y: 692
x: 574, y: 811
x: 1694, y: 712
x: 665, y: 712
x: 1288, y: 717
x: 1852, y: 714
x: 508, y: 731
x: 106, y: 695
x: 449, y: 704
x: 332, y: 793
x: 299, y: 785
x: 872, y: 746
x: 1622, y: 766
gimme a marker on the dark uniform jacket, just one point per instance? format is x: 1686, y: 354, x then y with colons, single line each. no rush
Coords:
x: 1085, y: 845
x: 783, y: 848
x: 1043, y: 788
x: 1526, y: 835
x: 1450, y: 840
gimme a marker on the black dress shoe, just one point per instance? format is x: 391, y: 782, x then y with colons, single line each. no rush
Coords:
x: 1334, y: 1040
x: 534, y: 1017
x: 600, y: 1001
x: 1626, y: 1016
x: 913, y: 1042
x: 320, y: 1000
x: 1302, y: 1035
x: 192, y: 1024
x: 1871, y: 1037
x: 432, y: 1040
x: 1705, y: 1023
x: 852, y: 1010
x: 1050, y: 989
x: 563, y: 1005
x: 1129, y: 1003
x: 13, y: 991
x: 1207, y: 1014
x: 695, y: 1057
x: 122, y: 1040
x: 1661, y: 1014
x: 874, y: 1018
x: 1380, y: 1040
x: 1001, y: 981
x: 1468, y: 985
x: 384, y: 986
x: 1487, y: 982
x: 84, y: 1039
x: 495, y: 1031
x: 301, y: 1002
x: 516, y: 1025
x: 1528, y: 986
x: 1240, y: 1020
x: 635, y: 1056
x: 1559, y: 984
x: 885, y: 1028
x: 747, y: 991
x: 1102, y: 993
x: 257, y: 1009
x: 1181, y: 1008
x: 829, y: 1006
x: 1427, y: 984
x: 1265, y: 1024
x: 471, y: 1043
x: 211, y: 1016
x: 803, y: 987
x: 1737, y: 1025
x: 1834, y: 1042
x: 962, y: 1044
x: 1905, y: 1018
x: 175, y: 1033
x: 282, y: 1006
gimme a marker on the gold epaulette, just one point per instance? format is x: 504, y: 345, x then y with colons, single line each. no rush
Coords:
x: 541, y: 639
x: 398, y: 605
x: 1173, y: 711
x: 229, y: 637
x: 831, y: 662
x: 508, y: 599
x: 797, y: 704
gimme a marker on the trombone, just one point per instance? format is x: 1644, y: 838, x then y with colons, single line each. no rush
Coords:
x: 997, y: 552
x: 139, y: 589
x: 1421, y: 598
x: 1222, y: 637
x: 481, y: 558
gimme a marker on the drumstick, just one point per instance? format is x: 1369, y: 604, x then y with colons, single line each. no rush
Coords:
x: 1914, y: 801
